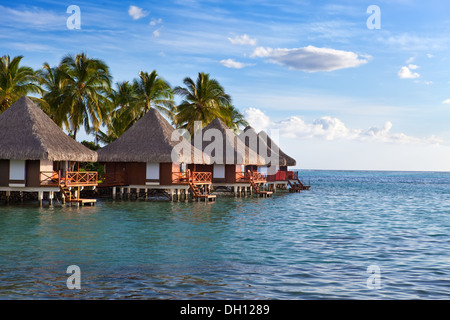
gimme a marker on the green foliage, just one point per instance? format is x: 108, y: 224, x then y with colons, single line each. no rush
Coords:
x: 91, y: 145
x: 92, y: 166
x: 78, y: 93
x: 16, y: 81
x: 203, y: 100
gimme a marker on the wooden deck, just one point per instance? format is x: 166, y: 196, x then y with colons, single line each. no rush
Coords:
x: 71, y: 180
x: 83, y: 201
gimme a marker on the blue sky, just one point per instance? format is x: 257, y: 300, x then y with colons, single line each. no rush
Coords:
x: 341, y: 95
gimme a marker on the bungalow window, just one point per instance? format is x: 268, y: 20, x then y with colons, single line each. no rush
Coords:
x: 17, y: 173
x: 152, y: 171
x: 219, y: 171
x: 265, y: 170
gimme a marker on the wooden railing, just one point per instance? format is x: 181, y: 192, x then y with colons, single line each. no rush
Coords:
x: 179, y: 177
x: 80, y: 178
x: 69, y: 178
x: 283, y: 176
x: 201, y: 177
x: 259, y: 176
x: 245, y: 177
x: 49, y: 178
x: 242, y: 177
x: 195, y: 177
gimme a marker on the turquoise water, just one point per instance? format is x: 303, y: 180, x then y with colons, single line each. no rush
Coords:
x: 316, y: 244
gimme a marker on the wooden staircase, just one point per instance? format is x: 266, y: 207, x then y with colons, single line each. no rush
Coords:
x: 196, y: 193
x: 68, y: 195
x: 256, y: 188
x: 302, y: 186
x: 66, y: 191
x: 296, y: 185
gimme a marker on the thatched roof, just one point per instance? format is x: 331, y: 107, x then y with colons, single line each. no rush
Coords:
x: 284, y: 159
x: 265, y: 147
x: 150, y: 140
x: 27, y: 133
x: 239, y: 153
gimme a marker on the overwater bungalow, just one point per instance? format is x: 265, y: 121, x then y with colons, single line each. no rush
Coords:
x: 277, y: 161
x: 230, y: 157
x: 36, y: 156
x: 147, y: 158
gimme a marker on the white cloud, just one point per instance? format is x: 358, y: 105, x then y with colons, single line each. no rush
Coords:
x: 406, y: 73
x: 311, y: 59
x: 410, y: 60
x: 230, y: 63
x: 154, y: 21
x: 446, y: 101
x: 257, y: 119
x: 429, y: 55
x: 243, y: 40
x: 136, y: 12
x: 329, y: 128
x: 157, y: 32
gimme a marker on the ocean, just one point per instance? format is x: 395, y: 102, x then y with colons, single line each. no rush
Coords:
x: 354, y: 235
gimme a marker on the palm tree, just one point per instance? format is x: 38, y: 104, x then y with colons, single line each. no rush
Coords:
x: 15, y: 81
x: 235, y: 119
x: 124, y: 100
x: 203, y: 100
x: 52, y: 83
x: 151, y: 92
x: 86, y: 84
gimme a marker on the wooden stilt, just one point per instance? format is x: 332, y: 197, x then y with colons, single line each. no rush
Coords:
x: 40, y: 197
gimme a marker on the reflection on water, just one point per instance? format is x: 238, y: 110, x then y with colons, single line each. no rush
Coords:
x: 312, y: 245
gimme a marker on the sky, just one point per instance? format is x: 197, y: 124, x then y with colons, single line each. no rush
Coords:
x: 345, y: 85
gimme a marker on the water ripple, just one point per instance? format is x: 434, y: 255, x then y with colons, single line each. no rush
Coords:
x: 311, y: 245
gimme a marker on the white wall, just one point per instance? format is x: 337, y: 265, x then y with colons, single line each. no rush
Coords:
x: 46, y: 166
